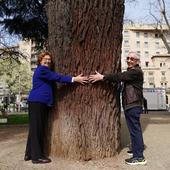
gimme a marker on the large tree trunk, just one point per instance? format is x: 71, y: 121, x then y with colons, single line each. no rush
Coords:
x: 84, y: 36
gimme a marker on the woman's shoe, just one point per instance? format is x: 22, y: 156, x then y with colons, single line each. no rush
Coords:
x: 41, y: 161
x: 27, y: 158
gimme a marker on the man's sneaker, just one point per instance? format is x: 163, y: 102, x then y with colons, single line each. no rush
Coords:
x: 136, y: 161
x: 130, y: 153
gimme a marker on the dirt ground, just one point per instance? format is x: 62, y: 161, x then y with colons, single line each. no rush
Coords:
x: 156, y: 127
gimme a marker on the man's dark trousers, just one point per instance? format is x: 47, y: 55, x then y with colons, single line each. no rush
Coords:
x: 132, y: 116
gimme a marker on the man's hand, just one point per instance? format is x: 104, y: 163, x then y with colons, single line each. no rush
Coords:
x: 96, y: 77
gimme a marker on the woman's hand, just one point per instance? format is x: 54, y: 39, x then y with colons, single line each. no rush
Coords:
x: 81, y: 79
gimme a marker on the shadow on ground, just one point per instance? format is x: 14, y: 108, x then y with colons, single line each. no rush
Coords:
x: 8, y: 132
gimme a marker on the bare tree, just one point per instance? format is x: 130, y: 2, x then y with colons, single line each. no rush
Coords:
x: 161, y: 21
x: 85, y: 36
x: 9, y: 47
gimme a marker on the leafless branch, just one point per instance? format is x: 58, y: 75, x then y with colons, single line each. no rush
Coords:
x: 163, y: 12
x: 159, y: 21
x: 7, y: 51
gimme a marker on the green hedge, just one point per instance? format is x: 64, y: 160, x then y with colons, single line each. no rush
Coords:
x: 17, y: 119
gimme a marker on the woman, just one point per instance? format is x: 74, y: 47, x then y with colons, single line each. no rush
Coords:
x: 40, y: 100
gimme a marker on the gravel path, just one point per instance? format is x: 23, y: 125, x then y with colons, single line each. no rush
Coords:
x: 156, y: 127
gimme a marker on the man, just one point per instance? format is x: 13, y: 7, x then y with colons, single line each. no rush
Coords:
x: 132, y: 98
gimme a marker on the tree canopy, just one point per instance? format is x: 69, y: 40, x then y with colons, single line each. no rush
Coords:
x: 26, y: 18
x: 16, y: 76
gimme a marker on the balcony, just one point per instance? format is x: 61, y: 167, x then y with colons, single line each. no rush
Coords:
x: 151, y: 79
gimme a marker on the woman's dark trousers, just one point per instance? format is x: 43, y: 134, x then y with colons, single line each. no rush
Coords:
x: 38, y: 117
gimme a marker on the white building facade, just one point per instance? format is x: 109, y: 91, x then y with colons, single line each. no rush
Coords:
x: 155, y: 62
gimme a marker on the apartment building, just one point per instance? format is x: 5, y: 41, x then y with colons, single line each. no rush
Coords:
x: 24, y: 47
x: 29, y: 51
x: 155, y: 62
x: 34, y: 55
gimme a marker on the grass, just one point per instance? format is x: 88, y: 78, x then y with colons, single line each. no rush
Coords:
x: 16, y: 119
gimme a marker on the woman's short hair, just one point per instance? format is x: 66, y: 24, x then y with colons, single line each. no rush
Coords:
x: 42, y: 55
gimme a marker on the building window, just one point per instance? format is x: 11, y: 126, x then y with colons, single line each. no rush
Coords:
x: 145, y: 34
x: 147, y: 63
x: 126, y: 43
x: 146, y: 54
x: 126, y: 52
x: 151, y: 79
x: 157, y: 35
x: 164, y: 85
x: 126, y: 33
x: 162, y: 64
x: 152, y: 85
x: 138, y: 53
x: 138, y: 44
x: 146, y: 44
x: 163, y: 79
x: 157, y: 45
x: 163, y: 73
x: 150, y: 73
x: 137, y: 34
x: 157, y: 52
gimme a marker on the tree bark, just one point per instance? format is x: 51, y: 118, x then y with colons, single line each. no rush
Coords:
x: 84, y: 36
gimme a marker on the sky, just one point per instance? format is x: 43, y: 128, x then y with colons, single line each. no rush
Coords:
x: 7, y: 39
x: 139, y: 11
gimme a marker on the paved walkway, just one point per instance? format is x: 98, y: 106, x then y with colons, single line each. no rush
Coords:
x: 156, y: 128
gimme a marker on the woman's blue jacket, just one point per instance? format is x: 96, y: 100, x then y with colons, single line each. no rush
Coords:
x: 43, y: 79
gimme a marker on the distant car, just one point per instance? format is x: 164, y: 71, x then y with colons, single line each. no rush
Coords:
x: 24, y: 105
